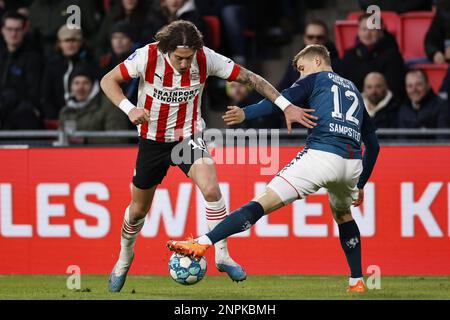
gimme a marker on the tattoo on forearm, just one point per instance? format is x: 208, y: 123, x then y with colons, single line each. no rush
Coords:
x: 258, y: 83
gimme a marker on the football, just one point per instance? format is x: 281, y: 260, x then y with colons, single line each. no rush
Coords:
x: 185, y: 270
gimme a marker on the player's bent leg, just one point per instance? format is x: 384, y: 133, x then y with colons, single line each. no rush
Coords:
x: 351, y: 244
x: 238, y: 221
x: 203, y: 173
x: 133, y: 222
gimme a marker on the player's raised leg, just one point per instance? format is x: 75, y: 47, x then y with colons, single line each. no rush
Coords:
x: 132, y: 224
x: 203, y: 173
x: 239, y: 220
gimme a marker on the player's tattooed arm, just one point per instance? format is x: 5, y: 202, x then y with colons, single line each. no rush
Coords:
x: 258, y: 83
x: 292, y: 113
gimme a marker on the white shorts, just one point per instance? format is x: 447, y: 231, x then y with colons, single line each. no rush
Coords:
x: 313, y: 169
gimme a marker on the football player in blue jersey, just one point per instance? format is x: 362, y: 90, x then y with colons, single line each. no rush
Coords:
x: 332, y: 158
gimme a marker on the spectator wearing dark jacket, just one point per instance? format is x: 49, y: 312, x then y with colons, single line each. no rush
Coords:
x: 316, y: 32
x: 133, y: 11
x: 376, y: 50
x: 55, y: 82
x: 20, y: 71
x: 163, y: 12
x: 437, y: 39
x: 423, y: 109
x: 122, y: 45
x: 47, y: 16
x: 88, y: 109
x: 379, y: 101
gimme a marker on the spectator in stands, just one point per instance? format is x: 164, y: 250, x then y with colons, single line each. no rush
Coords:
x: 437, y: 39
x: 163, y: 12
x: 55, y: 82
x: 316, y: 32
x: 19, y: 6
x: 234, y: 19
x: 88, y: 109
x: 20, y: 71
x: 376, y: 50
x: 133, y: 11
x: 47, y: 16
x: 423, y: 108
x: 122, y: 45
x: 380, y: 102
x: 241, y: 95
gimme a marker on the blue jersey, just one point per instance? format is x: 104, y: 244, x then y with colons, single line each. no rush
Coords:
x: 342, y: 116
x: 340, y: 108
x: 343, y: 121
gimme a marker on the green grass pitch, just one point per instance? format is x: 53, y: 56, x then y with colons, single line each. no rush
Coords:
x: 222, y: 288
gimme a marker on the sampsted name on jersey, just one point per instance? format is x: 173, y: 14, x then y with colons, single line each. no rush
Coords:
x: 339, y: 128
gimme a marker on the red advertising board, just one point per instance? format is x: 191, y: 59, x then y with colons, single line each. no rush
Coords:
x: 62, y: 207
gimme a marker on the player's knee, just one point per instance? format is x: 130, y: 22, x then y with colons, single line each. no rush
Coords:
x: 211, y: 193
x: 342, y: 215
x: 137, y: 211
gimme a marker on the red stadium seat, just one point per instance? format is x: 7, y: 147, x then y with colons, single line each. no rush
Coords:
x: 345, y: 33
x: 51, y: 124
x: 391, y: 20
x: 413, y: 30
x: 212, y: 32
x: 435, y: 72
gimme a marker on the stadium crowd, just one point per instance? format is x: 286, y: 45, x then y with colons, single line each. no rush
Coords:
x: 50, y: 73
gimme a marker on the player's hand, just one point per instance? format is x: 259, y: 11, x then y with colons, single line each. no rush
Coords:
x: 439, y: 57
x: 139, y: 115
x: 356, y: 202
x: 299, y: 115
x: 234, y: 115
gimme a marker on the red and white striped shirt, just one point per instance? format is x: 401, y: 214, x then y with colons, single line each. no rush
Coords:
x: 173, y: 99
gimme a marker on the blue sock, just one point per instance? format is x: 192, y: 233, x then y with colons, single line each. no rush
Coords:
x: 238, y: 221
x: 351, y: 243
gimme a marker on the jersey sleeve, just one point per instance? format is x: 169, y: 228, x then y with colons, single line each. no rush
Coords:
x: 367, y: 126
x: 220, y: 66
x: 134, y: 65
x: 301, y: 90
x: 298, y: 93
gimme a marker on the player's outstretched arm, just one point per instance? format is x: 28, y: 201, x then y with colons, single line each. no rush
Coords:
x: 265, y: 107
x: 110, y: 85
x: 258, y: 83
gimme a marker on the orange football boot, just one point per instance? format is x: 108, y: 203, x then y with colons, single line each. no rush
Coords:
x: 190, y: 248
x: 359, y: 287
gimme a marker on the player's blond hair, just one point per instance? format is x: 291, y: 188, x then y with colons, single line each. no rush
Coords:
x: 312, y: 51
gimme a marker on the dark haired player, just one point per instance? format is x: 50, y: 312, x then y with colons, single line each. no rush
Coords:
x: 172, y: 73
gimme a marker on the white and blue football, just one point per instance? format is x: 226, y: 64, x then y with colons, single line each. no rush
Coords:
x: 185, y: 270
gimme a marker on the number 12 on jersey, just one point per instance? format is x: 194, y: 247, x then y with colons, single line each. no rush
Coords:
x: 337, y: 113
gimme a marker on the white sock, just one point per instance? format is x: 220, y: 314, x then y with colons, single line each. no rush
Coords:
x: 354, y: 281
x: 215, y: 213
x: 130, y: 231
